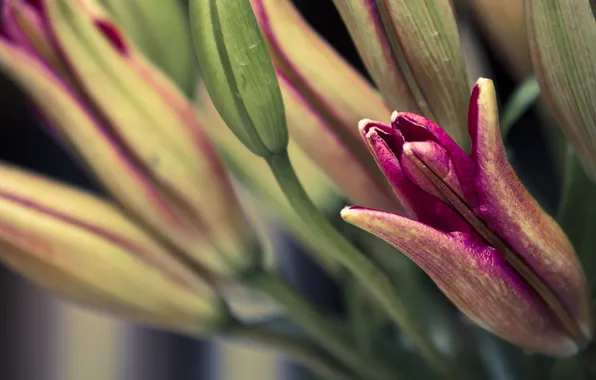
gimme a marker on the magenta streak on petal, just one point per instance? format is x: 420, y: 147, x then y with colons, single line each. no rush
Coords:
x: 119, y: 240
x: 10, y: 28
x: 473, y: 120
x: 419, y: 128
x: 293, y: 74
x: 113, y: 34
x: 128, y: 159
x: 358, y: 183
x: 35, y: 3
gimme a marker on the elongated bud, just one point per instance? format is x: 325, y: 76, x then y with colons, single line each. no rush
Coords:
x: 324, y: 98
x: 137, y: 133
x: 477, y: 231
x: 562, y: 35
x: 413, y: 52
x: 84, y: 249
x: 238, y: 73
x: 160, y: 29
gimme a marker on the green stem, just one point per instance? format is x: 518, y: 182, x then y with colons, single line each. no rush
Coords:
x: 363, y: 269
x: 320, y: 327
x: 307, y: 353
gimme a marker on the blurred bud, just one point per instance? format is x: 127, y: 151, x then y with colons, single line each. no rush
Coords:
x: 477, y: 231
x: 238, y: 73
x: 324, y: 99
x: 505, y: 24
x: 159, y: 28
x: 137, y: 132
x: 413, y: 52
x: 84, y: 249
x: 562, y: 35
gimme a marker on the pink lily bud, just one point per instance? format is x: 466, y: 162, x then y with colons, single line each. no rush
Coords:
x: 476, y: 230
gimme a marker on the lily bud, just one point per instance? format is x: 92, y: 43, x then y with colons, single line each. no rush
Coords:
x: 160, y: 29
x: 413, y: 52
x: 321, y: 110
x: 138, y: 134
x: 84, y: 249
x: 476, y: 230
x: 505, y: 24
x: 237, y: 71
x: 562, y: 35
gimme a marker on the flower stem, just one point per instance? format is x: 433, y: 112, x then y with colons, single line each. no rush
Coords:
x: 320, y: 327
x: 310, y: 355
x: 363, y: 269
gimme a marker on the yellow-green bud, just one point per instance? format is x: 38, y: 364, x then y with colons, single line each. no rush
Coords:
x: 238, y: 73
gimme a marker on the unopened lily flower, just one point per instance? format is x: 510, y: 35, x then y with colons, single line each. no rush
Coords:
x: 476, y: 231
x: 130, y: 125
x: 87, y: 250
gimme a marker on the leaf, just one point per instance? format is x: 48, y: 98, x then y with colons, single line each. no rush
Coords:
x: 523, y: 98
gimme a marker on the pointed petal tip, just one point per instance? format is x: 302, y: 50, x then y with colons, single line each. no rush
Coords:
x: 347, y: 211
x: 352, y: 213
x: 394, y: 116
x: 363, y: 125
x: 484, y: 88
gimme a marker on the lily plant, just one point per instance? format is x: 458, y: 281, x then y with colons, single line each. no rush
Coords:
x: 270, y: 125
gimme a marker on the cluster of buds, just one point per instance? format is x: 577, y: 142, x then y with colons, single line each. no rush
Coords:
x: 140, y: 138
x: 156, y: 252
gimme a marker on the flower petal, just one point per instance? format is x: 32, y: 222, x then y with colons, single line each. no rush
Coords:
x: 385, y: 146
x: 326, y: 148
x: 474, y: 276
x: 513, y: 214
x: 418, y: 128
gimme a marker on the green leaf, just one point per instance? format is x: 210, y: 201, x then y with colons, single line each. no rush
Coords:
x: 577, y: 215
x: 523, y: 98
x: 238, y: 73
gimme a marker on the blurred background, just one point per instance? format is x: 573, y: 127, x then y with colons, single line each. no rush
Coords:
x: 43, y: 338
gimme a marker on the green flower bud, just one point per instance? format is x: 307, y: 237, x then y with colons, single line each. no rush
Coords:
x: 238, y: 73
